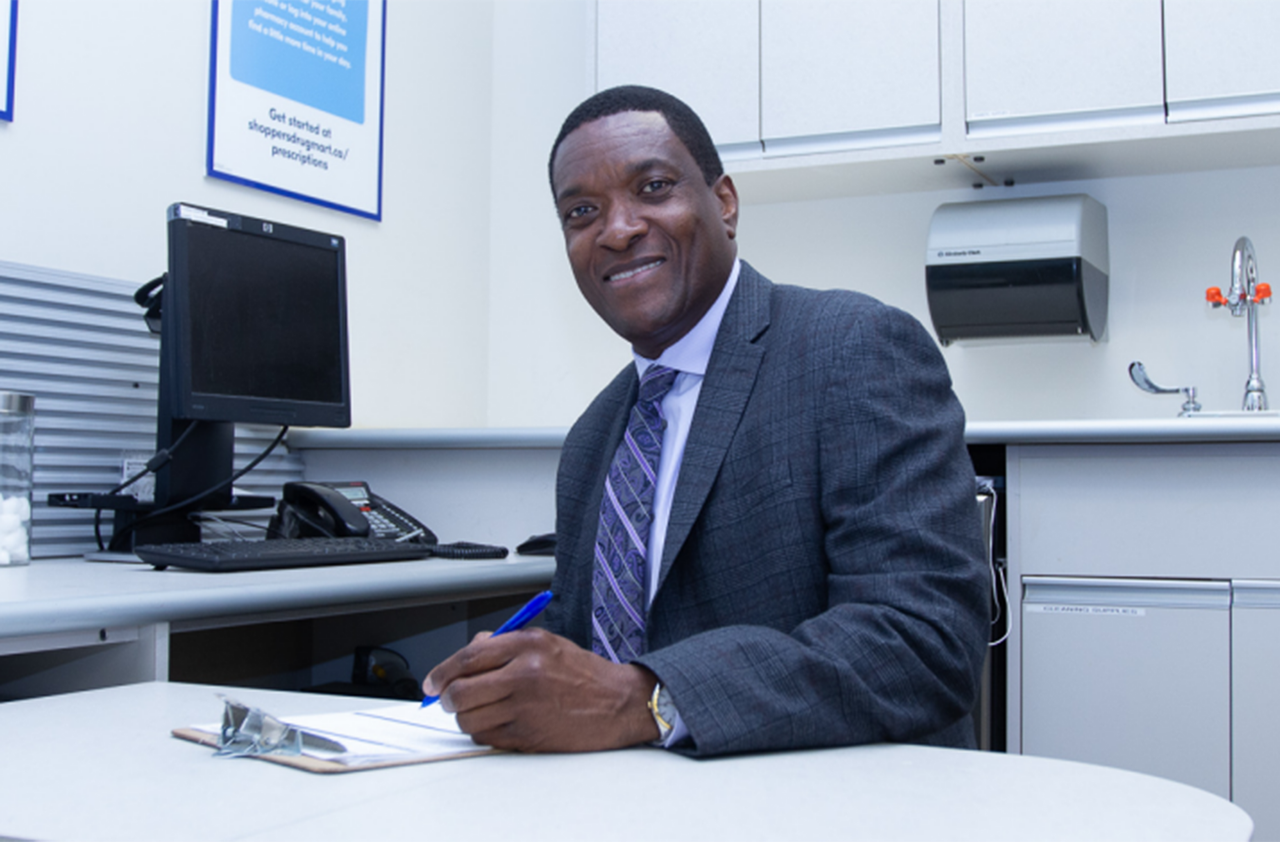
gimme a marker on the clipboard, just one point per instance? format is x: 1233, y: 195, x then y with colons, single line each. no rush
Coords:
x: 329, y: 767
x: 396, y: 735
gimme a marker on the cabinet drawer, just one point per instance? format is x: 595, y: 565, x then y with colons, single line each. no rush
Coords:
x: 1152, y: 510
x: 1130, y: 673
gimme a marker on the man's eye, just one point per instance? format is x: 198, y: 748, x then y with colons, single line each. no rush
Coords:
x: 577, y: 212
x: 657, y: 185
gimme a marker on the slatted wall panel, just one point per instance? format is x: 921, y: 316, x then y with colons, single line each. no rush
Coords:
x: 79, y: 344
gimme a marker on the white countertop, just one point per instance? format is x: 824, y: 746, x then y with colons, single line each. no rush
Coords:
x: 1205, y: 427
x: 58, y: 595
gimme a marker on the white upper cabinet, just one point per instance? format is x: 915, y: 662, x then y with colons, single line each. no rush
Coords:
x: 846, y: 89
x: 1222, y: 58
x: 851, y: 74
x: 707, y: 53
x: 1044, y: 65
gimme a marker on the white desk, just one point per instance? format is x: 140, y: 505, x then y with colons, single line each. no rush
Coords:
x: 101, y: 765
x: 121, y: 615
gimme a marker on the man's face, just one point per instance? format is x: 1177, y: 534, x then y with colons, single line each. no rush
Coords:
x: 650, y: 243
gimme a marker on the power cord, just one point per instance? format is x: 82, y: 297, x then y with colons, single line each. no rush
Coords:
x: 999, y: 584
x: 195, y: 498
x: 162, y: 457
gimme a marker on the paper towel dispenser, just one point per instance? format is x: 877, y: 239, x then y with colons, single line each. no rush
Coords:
x: 1018, y: 267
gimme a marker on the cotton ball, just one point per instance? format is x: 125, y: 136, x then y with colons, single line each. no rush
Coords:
x: 11, y: 541
x: 15, y: 512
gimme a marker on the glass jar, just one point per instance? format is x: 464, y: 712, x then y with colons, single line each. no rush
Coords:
x: 17, y: 424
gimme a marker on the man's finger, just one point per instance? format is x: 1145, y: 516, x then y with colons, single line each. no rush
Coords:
x: 483, y: 654
x: 468, y: 693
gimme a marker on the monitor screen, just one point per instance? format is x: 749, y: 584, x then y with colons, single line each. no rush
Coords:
x: 254, y: 321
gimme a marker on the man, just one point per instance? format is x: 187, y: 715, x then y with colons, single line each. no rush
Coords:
x: 775, y: 545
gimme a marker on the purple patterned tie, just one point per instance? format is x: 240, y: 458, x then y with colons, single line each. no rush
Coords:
x: 619, y: 581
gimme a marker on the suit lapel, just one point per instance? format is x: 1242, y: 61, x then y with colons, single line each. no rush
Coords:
x: 731, y: 376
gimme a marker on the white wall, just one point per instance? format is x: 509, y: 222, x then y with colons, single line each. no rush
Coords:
x: 109, y: 128
x: 549, y: 353
x: 463, y: 310
x: 1170, y: 236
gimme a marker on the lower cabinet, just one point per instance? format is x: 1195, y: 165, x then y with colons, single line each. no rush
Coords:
x: 1102, y: 662
x: 1175, y: 678
x: 1255, y: 703
x: 1146, y: 631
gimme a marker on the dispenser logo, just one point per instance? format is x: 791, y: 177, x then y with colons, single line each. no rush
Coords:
x: 960, y: 253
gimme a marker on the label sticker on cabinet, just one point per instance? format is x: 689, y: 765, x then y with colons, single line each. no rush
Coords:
x: 1109, y: 610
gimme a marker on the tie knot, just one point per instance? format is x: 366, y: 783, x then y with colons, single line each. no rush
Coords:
x: 656, y: 382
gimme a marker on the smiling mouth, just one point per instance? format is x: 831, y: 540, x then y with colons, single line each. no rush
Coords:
x: 631, y: 273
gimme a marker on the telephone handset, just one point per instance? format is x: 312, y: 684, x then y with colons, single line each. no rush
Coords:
x: 341, y: 509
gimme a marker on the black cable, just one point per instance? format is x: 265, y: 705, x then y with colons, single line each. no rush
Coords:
x: 195, y: 498
x: 162, y: 457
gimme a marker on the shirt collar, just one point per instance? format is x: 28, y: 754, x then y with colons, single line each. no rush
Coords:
x: 691, y: 352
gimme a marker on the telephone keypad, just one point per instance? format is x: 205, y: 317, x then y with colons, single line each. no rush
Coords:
x: 379, y: 522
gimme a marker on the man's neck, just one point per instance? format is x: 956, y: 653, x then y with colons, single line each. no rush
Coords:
x: 691, y: 352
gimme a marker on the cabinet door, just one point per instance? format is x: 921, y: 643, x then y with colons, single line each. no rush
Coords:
x: 1131, y: 673
x: 1060, y: 64
x: 1221, y: 58
x: 706, y: 53
x: 848, y: 74
x: 1255, y: 703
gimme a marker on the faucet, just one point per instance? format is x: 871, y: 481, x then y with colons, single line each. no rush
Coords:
x: 1243, y: 297
x: 1138, y: 374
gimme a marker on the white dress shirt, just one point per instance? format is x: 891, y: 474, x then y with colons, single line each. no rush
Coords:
x: 689, y: 356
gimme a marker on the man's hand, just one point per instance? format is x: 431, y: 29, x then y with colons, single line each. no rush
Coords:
x: 532, y: 690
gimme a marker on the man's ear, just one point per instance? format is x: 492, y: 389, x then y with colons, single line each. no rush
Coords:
x: 727, y: 195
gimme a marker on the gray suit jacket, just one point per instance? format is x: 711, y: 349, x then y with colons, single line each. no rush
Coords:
x: 823, y: 581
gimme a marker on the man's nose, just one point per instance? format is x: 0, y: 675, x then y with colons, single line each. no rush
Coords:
x: 622, y: 226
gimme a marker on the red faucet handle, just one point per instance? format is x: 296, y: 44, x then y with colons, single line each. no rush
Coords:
x: 1261, y: 293
x: 1214, y: 296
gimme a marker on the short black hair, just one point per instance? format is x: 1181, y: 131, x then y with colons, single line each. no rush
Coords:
x: 682, y: 120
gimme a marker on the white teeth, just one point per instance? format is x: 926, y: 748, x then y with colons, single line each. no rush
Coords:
x: 622, y: 276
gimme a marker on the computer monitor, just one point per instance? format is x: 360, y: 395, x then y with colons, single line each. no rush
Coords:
x: 253, y: 330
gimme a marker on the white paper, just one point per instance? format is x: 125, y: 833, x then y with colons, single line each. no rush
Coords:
x: 387, y: 733
x: 396, y: 732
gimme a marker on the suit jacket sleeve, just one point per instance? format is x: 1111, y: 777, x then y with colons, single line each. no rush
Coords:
x: 828, y: 586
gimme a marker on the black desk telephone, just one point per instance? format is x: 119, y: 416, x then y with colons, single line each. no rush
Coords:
x: 342, y: 509
x: 350, y: 509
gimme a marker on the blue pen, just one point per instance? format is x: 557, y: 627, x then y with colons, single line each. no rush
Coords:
x: 517, y: 621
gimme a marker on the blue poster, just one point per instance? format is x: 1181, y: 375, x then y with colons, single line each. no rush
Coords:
x: 295, y: 99
x: 8, y: 51
x: 313, y: 53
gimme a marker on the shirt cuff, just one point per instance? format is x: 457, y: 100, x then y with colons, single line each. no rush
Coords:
x: 679, y: 732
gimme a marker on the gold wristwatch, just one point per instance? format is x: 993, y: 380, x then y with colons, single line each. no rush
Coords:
x: 664, y: 712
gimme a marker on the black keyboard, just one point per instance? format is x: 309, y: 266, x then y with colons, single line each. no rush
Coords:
x: 225, y: 556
